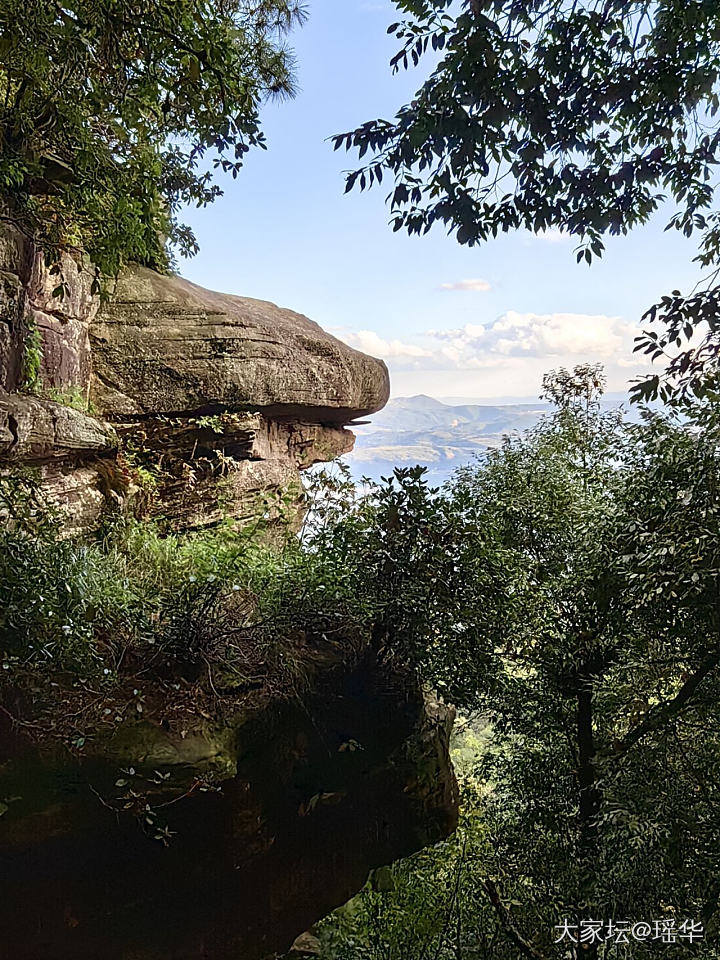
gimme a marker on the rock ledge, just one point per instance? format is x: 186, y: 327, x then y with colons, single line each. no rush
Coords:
x: 164, y: 345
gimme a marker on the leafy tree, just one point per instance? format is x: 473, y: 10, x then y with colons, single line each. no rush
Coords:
x: 431, y: 905
x: 570, y: 586
x: 113, y: 114
x: 585, y: 116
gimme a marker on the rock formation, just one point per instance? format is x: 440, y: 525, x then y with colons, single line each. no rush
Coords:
x: 163, y: 345
x: 310, y: 799
x: 29, y: 310
x: 192, y: 407
x: 218, y: 400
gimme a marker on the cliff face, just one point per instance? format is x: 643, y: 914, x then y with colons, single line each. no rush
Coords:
x: 305, y: 801
x: 204, y: 407
x: 28, y: 309
x: 164, y: 345
x: 217, y: 400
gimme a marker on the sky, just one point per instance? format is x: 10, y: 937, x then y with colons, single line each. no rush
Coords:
x: 449, y: 321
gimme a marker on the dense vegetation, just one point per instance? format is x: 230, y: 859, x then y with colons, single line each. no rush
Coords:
x: 571, y: 576
x: 585, y: 116
x: 565, y: 589
x: 114, y: 113
x: 562, y: 591
x: 134, y: 620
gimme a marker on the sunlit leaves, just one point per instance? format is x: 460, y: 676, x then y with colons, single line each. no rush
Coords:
x: 112, y: 114
x: 583, y: 116
x: 582, y: 557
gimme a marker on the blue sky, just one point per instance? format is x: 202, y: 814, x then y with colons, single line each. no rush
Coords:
x: 449, y: 321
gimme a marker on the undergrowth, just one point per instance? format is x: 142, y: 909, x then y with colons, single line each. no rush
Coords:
x: 132, y: 621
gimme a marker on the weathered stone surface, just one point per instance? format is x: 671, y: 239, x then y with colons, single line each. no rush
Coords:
x: 11, y: 311
x: 172, y: 358
x: 164, y: 345
x: 13, y: 273
x: 296, y: 827
x: 35, y: 431
x: 27, y: 304
x: 196, y: 502
x: 13, y: 248
x: 219, y: 403
x: 80, y: 492
x: 203, y: 470
x: 62, y: 321
x: 72, y: 453
x: 78, y: 303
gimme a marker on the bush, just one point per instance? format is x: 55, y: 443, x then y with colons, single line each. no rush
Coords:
x: 90, y: 608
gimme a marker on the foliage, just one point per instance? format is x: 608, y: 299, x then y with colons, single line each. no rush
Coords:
x: 32, y: 360
x: 566, y: 588
x: 584, y: 116
x: 113, y: 114
x: 233, y: 603
x: 70, y: 396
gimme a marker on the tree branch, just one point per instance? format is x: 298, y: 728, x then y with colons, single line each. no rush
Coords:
x: 523, y: 945
x: 657, y: 717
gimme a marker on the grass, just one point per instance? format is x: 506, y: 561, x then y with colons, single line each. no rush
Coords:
x: 204, y: 619
x: 71, y: 396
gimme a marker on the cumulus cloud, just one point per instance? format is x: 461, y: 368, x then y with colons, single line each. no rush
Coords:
x: 507, y: 356
x: 478, y: 286
x: 550, y: 338
x: 370, y: 342
x: 551, y: 335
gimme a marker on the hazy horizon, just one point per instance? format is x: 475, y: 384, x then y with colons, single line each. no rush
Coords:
x: 504, y: 400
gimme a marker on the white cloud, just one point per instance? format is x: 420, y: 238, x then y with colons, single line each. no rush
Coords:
x: 634, y: 362
x: 478, y: 286
x: 370, y: 342
x: 550, y: 335
x: 507, y: 356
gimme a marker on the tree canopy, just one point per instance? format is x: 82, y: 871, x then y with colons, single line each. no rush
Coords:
x: 565, y: 589
x: 586, y: 115
x: 114, y: 113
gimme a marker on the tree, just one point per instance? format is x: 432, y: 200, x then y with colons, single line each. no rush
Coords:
x: 113, y: 114
x: 571, y: 582
x: 585, y: 116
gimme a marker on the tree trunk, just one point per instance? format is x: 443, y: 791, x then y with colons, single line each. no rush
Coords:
x: 589, y: 805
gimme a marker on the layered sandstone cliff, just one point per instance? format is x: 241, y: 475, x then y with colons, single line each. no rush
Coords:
x: 190, y: 407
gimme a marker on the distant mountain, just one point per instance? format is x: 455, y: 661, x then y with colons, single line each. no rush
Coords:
x: 440, y: 436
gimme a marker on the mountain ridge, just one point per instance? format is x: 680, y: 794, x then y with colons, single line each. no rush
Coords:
x: 439, y: 435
